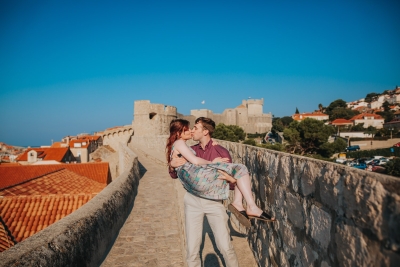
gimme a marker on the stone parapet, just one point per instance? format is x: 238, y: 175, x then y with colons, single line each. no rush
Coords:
x: 84, y: 237
x: 327, y: 214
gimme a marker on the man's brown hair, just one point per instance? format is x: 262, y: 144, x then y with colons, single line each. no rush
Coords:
x: 208, y: 124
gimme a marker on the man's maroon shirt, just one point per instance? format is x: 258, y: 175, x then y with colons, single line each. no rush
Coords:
x: 209, y: 152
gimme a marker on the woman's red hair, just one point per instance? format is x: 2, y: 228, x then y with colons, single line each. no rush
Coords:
x: 176, y: 127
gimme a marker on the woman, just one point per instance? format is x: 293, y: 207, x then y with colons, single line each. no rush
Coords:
x: 203, y: 178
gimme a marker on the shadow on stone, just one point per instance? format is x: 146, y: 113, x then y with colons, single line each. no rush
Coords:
x: 211, y: 259
x: 142, y: 170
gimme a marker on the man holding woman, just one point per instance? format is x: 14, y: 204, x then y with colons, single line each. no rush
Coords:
x: 201, y: 200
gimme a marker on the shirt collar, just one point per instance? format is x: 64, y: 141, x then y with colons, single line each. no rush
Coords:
x: 207, y: 145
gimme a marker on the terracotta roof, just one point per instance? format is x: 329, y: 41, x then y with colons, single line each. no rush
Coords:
x: 79, y: 143
x: 308, y: 115
x: 6, y: 239
x: 12, y: 175
x: 362, y: 115
x: 48, y: 153
x: 341, y: 121
x: 59, y: 182
x: 27, y: 215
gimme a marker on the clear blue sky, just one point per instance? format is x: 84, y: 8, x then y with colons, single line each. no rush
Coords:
x: 68, y: 67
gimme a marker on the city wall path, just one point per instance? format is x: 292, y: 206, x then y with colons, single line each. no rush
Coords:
x: 152, y: 234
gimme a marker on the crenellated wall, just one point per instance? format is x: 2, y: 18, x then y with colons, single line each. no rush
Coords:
x: 84, y: 237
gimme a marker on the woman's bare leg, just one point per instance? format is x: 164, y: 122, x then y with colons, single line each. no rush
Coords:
x: 238, y: 199
x: 245, y: 188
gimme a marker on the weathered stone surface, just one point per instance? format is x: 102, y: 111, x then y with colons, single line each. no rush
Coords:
x: 284, y: 170
x: 307, y: 181
x: 294, y: 211
x: 320, y: 225
x: 298, y: 166
x: 289, y: 238
x: 325, y: 264
x: 330, y: 188
x: 308, y: 256
x: 351, y: 247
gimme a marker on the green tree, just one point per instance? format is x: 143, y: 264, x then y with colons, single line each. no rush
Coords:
x: 231, y: 133
x: 250, y: 141
x: 342, y: 113
x: 320, y: 107
x: 279, y: 124
x: 328, y: 149
x: 370, y: 97
x: 393, y: 167
x: 307, y: 136
x: 338, y: 103
x: 371, y: 130
x: 297, y: 111
x: 358, y: 128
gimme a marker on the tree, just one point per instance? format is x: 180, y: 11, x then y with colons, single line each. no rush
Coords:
x: 250, y: 141
x: 231, y: 133
x: 328, y: 149
x: 320, y: 107
x: 386, y: 106
x: 297, y: 111
x: 393, y: 167
x: 358, y: 128
x: 279, y: 124
x: 342, y: 113
x: 370, y: 97
x: 307, y: 136
x: 338, y: 103
x: 371, y: 130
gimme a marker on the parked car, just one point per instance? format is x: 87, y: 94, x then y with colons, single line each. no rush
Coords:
x: 353, y: 148
x: 397, y: 144
x: 341, y: 160
x: 361, y: 166
x: 383, y: 161
x: 367, y: 161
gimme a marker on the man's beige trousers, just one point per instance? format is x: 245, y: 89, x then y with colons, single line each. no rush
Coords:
x: 195, y: 209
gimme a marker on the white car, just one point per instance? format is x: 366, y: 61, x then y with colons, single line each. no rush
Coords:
x: 341, y: 160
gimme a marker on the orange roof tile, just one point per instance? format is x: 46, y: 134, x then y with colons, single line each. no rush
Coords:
x: 59, y: 182
x: 81, y: 143
x: 12, y: 175
x: 6, y: 239
x: 27, y: 215
x: 362, y: 115
x: 341, y: 121
x: 46, y: 153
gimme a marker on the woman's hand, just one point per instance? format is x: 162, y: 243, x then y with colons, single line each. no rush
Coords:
x: 177, y: 162
x: 219, y: 159
x: 227, y: 177
x: 214, y: 143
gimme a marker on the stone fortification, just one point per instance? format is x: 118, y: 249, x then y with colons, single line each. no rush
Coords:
x: 84, y: 237
x: 116, y: 135
x: 249, y: 115
x: 152, y: 119
x: 328, y: 214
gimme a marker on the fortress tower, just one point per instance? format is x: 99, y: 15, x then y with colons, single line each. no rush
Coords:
x: 152, y: 119
x: 254, y: 106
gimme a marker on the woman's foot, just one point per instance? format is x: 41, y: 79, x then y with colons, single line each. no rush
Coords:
x: 255, y: 212
x: 241, y: 216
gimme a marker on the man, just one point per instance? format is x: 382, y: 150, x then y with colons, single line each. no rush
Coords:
x: 196, y: 207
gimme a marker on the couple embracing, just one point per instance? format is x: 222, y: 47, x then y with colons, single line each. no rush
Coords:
x: 205, y: 171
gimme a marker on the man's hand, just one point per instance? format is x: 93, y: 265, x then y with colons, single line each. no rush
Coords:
x: 219, y: 159
x: 177, y: 162
x: 227, y: 177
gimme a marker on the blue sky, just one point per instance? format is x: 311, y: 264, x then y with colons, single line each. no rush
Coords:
x: 69, y: 67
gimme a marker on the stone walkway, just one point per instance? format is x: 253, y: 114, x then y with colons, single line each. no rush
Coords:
x: 151, y: 235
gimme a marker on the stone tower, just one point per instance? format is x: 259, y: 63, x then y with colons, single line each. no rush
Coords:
x: 152, y: 119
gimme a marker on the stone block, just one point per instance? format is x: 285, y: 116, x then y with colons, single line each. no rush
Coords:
x: 351, y: 247
x: 325, y: 264
x: 312, y: 169
x: 320, y: 223
x: 331, y: 188
x: 290, y: 239
x: 294, y: 211
x: 298, y: 166
x: 308, y: 255
x: 364, y: 203
x: 284, y: 170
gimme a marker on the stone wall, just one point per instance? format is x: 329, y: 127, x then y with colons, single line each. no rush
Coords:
x: 84, y: 237
x: 114, y: 136
x: 327, y: 214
